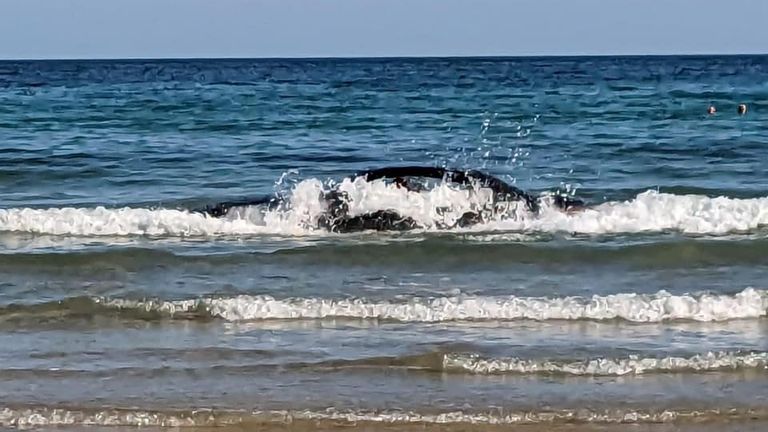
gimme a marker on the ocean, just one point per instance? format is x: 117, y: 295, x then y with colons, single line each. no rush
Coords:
x: 120, y: 306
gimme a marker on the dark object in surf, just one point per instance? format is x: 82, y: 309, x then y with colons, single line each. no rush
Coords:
x: 741, y: 109
x: 337, y: 218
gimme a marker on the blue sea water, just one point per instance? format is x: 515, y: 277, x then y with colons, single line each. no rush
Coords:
x: 119, y: 306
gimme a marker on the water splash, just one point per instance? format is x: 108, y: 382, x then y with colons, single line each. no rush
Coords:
x: 433, y: 209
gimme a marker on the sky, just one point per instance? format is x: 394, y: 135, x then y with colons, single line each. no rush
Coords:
x: 31, y: 29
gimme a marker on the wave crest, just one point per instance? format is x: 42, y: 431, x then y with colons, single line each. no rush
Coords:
x: 662, y: 306
x: 439, y: 207
x: 632, y: 365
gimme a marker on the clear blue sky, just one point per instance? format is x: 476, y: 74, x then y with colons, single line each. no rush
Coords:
x: 320, y: 28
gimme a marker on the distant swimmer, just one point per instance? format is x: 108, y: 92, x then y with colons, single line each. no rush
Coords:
x: 337, y: 217
x: 742, y: 109
x: 711, y: 110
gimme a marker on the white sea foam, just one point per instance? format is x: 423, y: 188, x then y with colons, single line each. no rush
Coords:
x: 528, y: 417
x: 46, y: 416
x: 662, y: 306
x: 632, y: 365
x: 43, y: 416
x: 652, y: 212
x: 117, y: 222
x: 435, y: 209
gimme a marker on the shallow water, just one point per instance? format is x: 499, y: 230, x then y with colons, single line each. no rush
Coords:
x: 120, y: 307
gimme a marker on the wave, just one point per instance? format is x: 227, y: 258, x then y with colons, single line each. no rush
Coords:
x: 38, y: 416
x: 662, y: 306
x: 101, y: 221
x: 654, y: 212
x: 632, y: 365
x: 436, y: 361
x: 454, y: 358
x: 439, y: 207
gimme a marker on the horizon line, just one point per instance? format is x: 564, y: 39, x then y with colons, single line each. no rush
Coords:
x: 373, y: 57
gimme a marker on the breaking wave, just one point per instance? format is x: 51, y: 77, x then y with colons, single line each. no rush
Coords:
x: 438, y: 207
x: 641, y: 308
x: 662, y: 306
x: 255, y: 363
x: 632, y: 365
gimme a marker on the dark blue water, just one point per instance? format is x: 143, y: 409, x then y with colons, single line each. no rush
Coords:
x: 648, y: 306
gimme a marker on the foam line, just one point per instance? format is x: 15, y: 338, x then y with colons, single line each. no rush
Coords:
x: 632, y: 365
